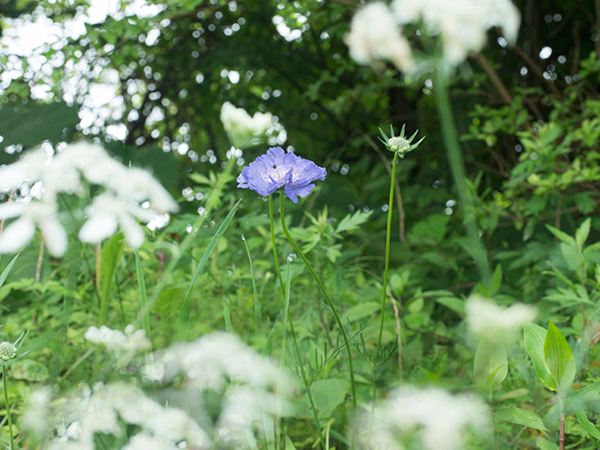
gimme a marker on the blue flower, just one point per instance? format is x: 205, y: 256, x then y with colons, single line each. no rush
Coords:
x: 280, y: 169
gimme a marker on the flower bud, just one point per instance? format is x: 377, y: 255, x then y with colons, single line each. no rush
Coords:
x: 7, y: 351
x: 398, y: 144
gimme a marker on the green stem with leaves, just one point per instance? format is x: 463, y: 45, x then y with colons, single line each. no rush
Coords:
x: 292, y: 330
x: 10, y: 430
x: 329, y: 302
x: 442, y: 101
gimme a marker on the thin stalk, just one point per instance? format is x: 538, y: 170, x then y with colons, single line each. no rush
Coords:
x: 10, y: 430
x: 286, y: 311
x: 493, y: 418
x: 258, y: 319
x: 144, y: 310
x: 293, y: 331
x: 442, y: 101
x: 375, y: 365
x: 329, y: 302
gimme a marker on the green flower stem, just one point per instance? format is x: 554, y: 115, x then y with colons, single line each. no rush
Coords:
x: 387, y: 264
x: 442, y: 101
x: 385, y: 280
x: 293, y: 331
x: 10, y: 430
x: 329, y: 302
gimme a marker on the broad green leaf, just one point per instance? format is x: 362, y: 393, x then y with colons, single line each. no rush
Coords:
x: 583, y: 232
x: 360, y: 311
x: 453, y: 303
x: 564, y: 237
x: 184, y: 311
x: 289, y: 445
x: 587, y: 425
x: 327, y: 394
x: 496, y: 281
x: 559, y: 358
x: 534, y: 342
x: 490, y: 365
x: 521, y: 417
x: 572, y: 257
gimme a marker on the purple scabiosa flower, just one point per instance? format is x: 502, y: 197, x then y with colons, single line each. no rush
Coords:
x: 280, y: 169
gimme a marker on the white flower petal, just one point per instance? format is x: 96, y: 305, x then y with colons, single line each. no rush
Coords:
x: 12, y: 209
x: 132, y: 231
x: 17, y: 235
x: 55, y: 236
x: 99, y: 226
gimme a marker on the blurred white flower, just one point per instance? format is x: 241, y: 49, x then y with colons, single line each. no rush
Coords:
x: 18, y: 234
x: 438, y: 417
x: 36, y: 417
x: 221, y: 362
x: 28, y: 169
x: 108, y: 211
x: 125, y: 188
x: 124, y: 345
x: 374, y: 35
x: 462, y: 23
x: 243, y: 130
x: 496, y: 324
x: 101, y: 411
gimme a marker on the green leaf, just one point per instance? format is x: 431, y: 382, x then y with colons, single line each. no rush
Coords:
x: 521, y: 417
x: 587, y: 425
x: 490, y: 365
x: 30, y: 124
x: 110, y: 259
x: 7, y: 270
x: 496, y: 281
x: 327, y: 394
x: 454, y: 303
x: 353, y: 221
x: 534, y: 342
x: 360, y: 311
x: 184, y: 311
x: 583, y: 232
x: 289, y: 445
x: 564, y: 237
x: 559, y: 358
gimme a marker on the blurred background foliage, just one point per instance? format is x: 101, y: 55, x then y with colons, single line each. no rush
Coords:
x: 149, y: 83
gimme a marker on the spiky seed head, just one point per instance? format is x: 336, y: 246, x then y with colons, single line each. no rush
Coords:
x: 398, y: 144
x: 7, y: 351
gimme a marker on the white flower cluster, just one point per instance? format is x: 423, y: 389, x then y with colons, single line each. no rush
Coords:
x: 439, y: 418
x: 124, y: 345
x: 218, y: 362
x: 496, y: 324
x: 86, y: 413
x: 118, y: 206
x: 374, y: 35
x: 244, y: 130
x: 246, y: 381
x: 463, y: 25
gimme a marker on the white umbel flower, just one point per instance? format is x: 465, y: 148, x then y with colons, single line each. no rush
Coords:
x: 124, y: 345
x: 18, y: 234
x: 375, y: 35
x: 107, y: 212
x: 462, y: 23
x: 439, y: 418
x: 118, y: 207
x: 242, y: 129
x: 496, y: 324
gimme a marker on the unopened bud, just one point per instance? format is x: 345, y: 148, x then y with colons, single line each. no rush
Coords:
x: 7, y: 351
x: 398, y: 144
